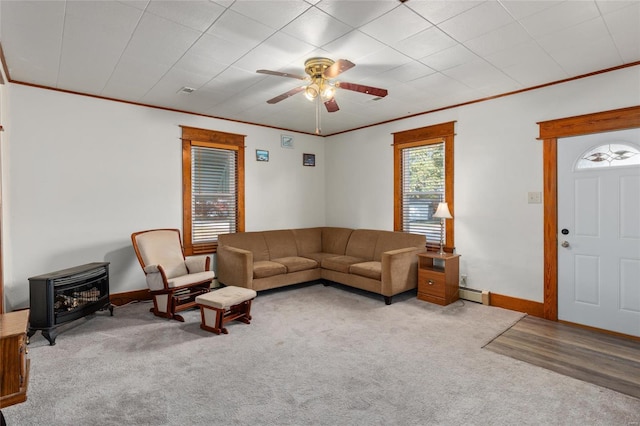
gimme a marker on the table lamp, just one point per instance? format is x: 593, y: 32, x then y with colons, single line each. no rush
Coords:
x: 442, y: 213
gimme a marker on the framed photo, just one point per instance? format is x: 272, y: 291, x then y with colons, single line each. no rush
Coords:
x: 309, y: 160
x: 262, y: 155
x: 286, y: 141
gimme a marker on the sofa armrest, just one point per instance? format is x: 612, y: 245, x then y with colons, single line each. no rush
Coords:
x: 235, y: 266
x: 199, y: 263
x: 399, y: 270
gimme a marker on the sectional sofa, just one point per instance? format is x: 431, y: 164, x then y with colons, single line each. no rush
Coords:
x: 382, y: 262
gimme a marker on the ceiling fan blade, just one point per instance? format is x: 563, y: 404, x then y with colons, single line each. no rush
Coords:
x: 281, y: 74
x: 286, y: 95
x: 337, y: 68
x: 332, y: 105
x: 374, y: 91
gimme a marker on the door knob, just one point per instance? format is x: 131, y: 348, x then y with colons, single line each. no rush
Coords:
x: 565, y: 244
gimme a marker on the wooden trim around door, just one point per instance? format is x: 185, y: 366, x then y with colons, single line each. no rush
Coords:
x: 550, y: 132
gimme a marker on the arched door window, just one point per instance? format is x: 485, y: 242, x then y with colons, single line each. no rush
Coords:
x: 609, y: 155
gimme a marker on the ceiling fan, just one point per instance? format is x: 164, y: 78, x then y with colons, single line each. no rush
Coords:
x: 320, y: 85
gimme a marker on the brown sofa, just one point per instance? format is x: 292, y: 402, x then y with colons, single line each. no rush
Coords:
x: 382, y: 262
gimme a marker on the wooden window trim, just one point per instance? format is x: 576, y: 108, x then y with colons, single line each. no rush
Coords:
x: 192, y: 136
x: 437, y: 133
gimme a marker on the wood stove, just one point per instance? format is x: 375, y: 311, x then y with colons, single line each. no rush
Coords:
x: 62, y: 296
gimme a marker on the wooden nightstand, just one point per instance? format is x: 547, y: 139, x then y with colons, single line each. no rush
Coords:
x: 13, y: 360
x: 438, y: 277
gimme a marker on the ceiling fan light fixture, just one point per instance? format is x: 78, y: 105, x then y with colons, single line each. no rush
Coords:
x: 328, y: 91
x: 312, y: 91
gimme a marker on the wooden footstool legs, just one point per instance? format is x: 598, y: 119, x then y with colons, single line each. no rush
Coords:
x: 227, y: 304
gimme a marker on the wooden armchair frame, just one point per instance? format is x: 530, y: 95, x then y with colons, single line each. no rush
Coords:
x: 168, y: 297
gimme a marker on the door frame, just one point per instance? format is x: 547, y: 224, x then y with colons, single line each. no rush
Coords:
x: 550, y: 132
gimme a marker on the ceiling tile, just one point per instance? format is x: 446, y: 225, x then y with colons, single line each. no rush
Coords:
x: 528, y: 64
x: 583, y: 47
x: 449, y: 58
x: 160, y: 41
x: 425, y: 43
x: 222, y: 51
x: 440, y: 10
x: 559, y: 17
x: 92, y: 45
x: 624, y: 26
x: 608, y: 6
x: 133, y: 78
x: 197, y: 70
x: 198, y: 15
x: 482, y: 76
x: 275, y: 14
x: 36, y: 31
x: 252, y: 34
x: 316, y: 28
x: 396, y: 25
x: 378, y: 62
x: 522, y: 8
x: 500, y: 39
x: 138, y: 4
x: 353, y: 46
x: 277, y: 51
x: 356, y: 13
x: 477, y: 21
x: 408, y: 72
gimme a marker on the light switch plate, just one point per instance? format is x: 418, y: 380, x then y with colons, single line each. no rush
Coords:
x: 534, y: 197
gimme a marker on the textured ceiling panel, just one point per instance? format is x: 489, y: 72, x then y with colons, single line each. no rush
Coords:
x: 427, y: 54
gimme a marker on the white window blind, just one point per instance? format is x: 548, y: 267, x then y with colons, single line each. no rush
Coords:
x: 423, y: 187
x: 214, y: 201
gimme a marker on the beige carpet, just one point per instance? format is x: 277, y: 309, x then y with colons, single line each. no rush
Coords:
x: 313, y: 355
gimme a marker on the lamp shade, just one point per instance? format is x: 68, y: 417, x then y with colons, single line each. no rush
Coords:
x: 442, y: 212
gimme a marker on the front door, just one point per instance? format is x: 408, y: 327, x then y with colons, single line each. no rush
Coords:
x: 599, y: 230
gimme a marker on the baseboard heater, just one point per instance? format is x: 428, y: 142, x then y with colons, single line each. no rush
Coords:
x: 478, y: 296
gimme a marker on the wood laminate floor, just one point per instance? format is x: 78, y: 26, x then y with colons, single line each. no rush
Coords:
x: 599, y: 358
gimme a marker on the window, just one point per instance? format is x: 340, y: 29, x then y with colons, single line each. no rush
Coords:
x: 609, y: 155
x: 213, y: 187
x: 423, y: 174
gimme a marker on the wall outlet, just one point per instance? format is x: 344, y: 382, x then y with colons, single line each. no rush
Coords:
x: 463, y: 280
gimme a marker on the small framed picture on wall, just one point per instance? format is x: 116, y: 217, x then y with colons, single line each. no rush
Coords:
x: 262, y: 155
x: 309, y: 160
x: 286, y: 141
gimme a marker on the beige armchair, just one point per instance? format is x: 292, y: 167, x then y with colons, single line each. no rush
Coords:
x: 174, y: 281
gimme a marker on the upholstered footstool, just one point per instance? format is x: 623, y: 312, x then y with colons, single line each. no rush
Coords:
x: 218, y: 307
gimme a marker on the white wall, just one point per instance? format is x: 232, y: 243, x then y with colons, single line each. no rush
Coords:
x: 497, y: 162
x: 81, y: 174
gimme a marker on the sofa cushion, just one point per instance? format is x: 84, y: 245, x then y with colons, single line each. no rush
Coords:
x: 308, y: 240
x: 341, y: 263
x: 318, y: 257
x: 362, y: 243
x: 296, y: 263
x: 334, y: 240
x: 280, y: 243
x: 251, y: 241
x: 267, y: 268
x: 371, y: 269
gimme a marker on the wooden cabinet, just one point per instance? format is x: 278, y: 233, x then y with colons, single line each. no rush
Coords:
x: 438, y: 277
x: 14, y: 366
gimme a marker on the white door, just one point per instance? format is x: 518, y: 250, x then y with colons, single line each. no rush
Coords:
x: 599, y: 230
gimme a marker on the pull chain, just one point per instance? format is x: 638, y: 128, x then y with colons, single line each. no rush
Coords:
x: 318, y: 130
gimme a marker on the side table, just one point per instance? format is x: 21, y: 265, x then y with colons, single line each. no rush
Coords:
x: 438, y: 277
